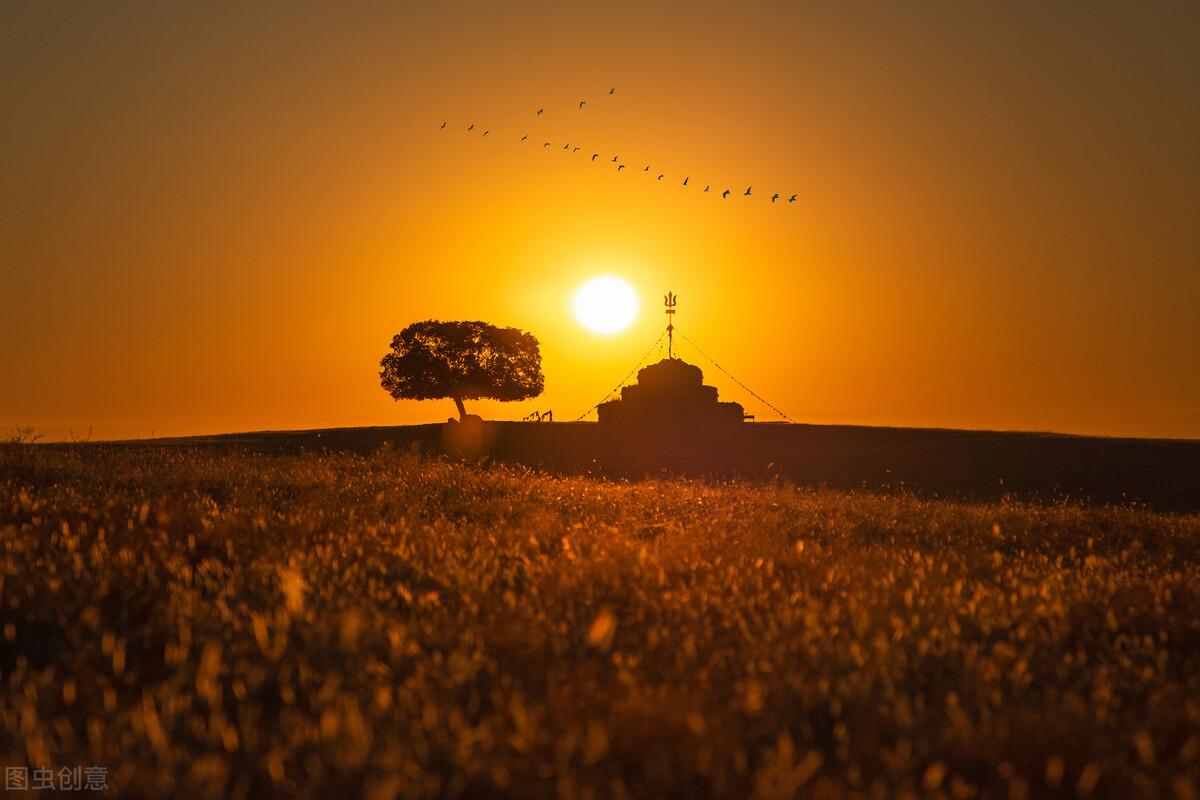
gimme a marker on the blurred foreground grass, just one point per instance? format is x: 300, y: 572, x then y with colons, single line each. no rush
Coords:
x: 215, y: 624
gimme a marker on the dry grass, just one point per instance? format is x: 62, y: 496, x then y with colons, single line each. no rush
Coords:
x: 214, y: 624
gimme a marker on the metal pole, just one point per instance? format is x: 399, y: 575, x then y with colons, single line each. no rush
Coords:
x: 669, y: 304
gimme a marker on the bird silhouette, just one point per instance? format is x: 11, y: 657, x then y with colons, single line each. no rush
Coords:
x: 582, y: 103
x: 595, y: 156
x: 706, y: 187
x: 485, y: 133
x: 526, y: 136
x: 615, y: 159
x: 792, y: 199
x: 567, y: 145
x: 443, y: 125
x: 545, y: 145
x: 774, y: 197
x: 747, y: 192
x: 540, y: 110
x: 620, y: 167
x: 646, y: 168
x: 660, y: 176
x: 724, y: 194
x: 613, y: 90
x: 471, y: 127
x: 574, y: 149
x: 685, y: 180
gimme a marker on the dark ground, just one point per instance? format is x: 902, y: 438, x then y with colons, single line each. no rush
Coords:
x: 1163, y: 474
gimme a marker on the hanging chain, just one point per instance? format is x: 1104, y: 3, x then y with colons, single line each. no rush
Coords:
x: 729, y: 375
x: 625, y: 380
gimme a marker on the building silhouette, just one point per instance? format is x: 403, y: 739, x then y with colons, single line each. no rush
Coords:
x: 669, y: 394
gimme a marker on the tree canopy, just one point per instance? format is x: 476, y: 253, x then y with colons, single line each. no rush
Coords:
x: 462, y: 361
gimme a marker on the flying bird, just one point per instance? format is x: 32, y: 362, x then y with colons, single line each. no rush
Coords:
x: 724, y: 194
x: 526, y: 136
x: 471, y: 127
x: 615, y: 159
x: 540, y: 110
x: 685, y: 180
x: 545, y: 145
x: 595, y: 156
x: 613, y: 90
x: 792, y: 199
x: 582, y: 103
x: 660, y: 176
x: 565, y: 146
x: 574, y: 149
x: 485, y: 133
x: 747, y: 192
x: 620, y: 167
x: 774, y: 197
x: 646, y: 168
x: 443, y: 125
x: 706, y: 187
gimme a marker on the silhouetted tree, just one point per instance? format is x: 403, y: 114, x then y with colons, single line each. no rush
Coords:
x: 462, y: 361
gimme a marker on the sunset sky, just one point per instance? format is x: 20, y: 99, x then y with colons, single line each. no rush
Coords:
x: 215, y: 216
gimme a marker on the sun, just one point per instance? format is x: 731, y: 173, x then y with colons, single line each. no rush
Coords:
x: 605, y: 304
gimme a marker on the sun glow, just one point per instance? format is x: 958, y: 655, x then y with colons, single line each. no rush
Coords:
x: 605, y: 304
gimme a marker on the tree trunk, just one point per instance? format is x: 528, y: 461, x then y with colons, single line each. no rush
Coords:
x: 462, y: 410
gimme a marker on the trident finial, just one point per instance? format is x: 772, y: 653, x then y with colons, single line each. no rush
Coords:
x: 669, y: 304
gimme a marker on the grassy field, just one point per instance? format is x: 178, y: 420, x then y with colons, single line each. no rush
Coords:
x: 210, y: 623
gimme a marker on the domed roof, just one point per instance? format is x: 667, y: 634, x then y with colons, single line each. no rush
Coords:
x: 670, y: 373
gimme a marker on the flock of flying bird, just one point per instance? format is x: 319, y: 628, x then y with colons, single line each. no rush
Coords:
x: 617, y: 159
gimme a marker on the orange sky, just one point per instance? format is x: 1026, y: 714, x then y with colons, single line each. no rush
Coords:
x: 215, y: 216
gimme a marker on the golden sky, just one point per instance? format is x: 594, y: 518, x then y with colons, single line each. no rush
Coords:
x: 215, y: 216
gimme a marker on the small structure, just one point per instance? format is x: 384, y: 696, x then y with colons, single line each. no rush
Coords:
x: 669, y: 394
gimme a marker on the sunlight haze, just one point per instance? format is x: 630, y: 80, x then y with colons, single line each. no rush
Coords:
x: 216, y: 216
